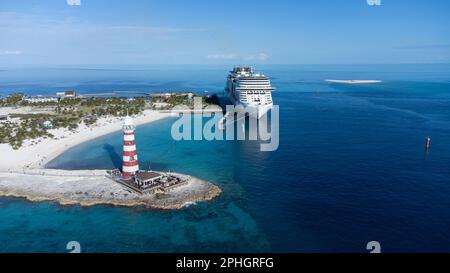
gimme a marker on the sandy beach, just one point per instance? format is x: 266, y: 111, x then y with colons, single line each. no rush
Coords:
x: 34, y: 154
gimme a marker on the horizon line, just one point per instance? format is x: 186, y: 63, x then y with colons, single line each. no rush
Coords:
x: 219, y: 64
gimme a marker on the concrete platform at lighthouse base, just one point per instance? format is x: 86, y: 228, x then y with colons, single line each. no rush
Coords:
x: 149, y: 182
x: 93, y: 187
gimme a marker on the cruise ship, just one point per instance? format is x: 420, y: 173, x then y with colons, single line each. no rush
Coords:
x: 249, y: 91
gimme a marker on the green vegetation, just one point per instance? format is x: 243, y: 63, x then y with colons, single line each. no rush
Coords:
x: 178, y: 99
x: 169, y: 101
x: 71, y: 112
x: 66, y: 113
x: 214, y: 99
x: 16, y: 133
x: 117, y: 107
x: 14, y: 99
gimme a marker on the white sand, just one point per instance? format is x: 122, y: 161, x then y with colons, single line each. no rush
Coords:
x: 32, y: 156
x: 26, y: 110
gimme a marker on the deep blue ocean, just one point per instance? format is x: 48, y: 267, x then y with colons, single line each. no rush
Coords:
x: 351, y: 166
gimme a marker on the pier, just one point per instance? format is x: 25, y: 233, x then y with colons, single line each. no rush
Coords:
x: 148, y: 182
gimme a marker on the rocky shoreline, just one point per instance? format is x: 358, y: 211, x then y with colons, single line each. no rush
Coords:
x: 89, y: 188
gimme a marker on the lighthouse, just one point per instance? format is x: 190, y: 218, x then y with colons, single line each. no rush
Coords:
x: 130, y: 160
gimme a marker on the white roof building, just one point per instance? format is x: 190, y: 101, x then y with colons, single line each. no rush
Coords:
x: 40, y: 99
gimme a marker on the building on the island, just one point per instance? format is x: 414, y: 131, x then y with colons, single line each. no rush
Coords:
x: 39, y: 98
x: 166, y: 95
x: 48, y: 124
x: 145, y: 179
x: 190, y: 97
x: 169, y: 182
x: 130, y: 160
x: 66, y: 94
x: 44, y: 123
x: 70, y: 94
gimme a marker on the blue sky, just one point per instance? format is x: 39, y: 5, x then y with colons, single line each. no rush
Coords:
x: 224, y: 32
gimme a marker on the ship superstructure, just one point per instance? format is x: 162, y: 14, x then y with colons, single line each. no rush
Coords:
x: 249, y: 91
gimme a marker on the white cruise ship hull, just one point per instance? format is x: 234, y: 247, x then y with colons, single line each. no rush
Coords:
x: 256, y: 111
x: 253, y: 110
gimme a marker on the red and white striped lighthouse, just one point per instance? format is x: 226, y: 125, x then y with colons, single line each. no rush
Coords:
x: 130, y: 160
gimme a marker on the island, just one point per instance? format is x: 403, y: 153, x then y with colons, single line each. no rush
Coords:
x: 354, y: 81
x: 92, y: 187
x: 35, y: 130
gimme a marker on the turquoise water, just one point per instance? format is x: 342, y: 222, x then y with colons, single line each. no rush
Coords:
x: 351, y: 168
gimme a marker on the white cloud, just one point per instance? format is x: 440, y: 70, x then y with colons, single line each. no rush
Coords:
x: 74, y: 2
x: 223, y: 56
x: 232, y: 56
x: 11, y: 52
x: 258, y: 57
x: 11, y: 21
x: 49, y: 39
